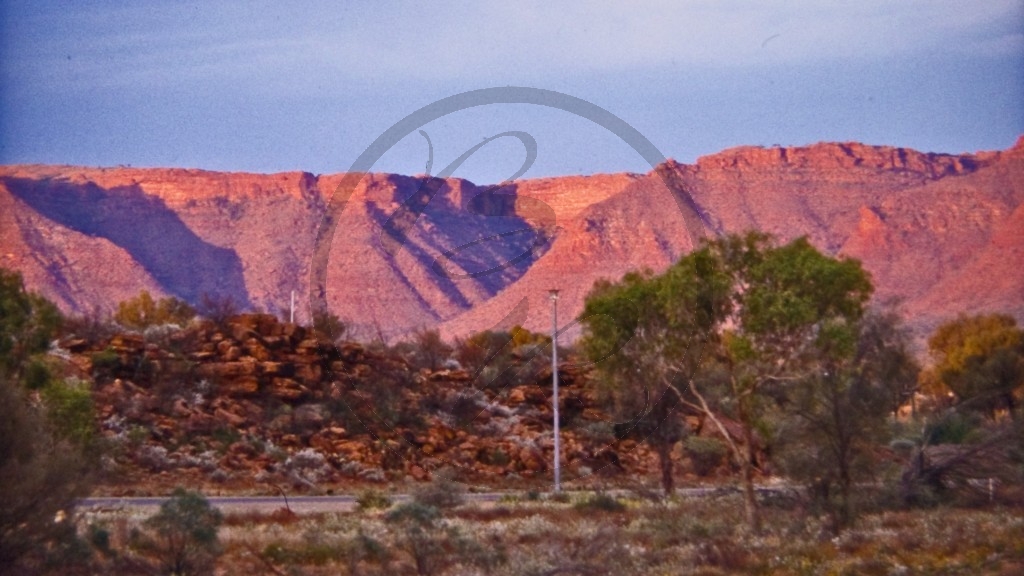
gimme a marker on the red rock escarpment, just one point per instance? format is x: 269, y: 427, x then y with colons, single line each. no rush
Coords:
x: 941, y: 232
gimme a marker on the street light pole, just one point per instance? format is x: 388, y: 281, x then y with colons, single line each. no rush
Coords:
x: 553, y: 293
x: 291, y: 308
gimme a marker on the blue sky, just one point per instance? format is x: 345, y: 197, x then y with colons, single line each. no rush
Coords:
x: 271, y: 86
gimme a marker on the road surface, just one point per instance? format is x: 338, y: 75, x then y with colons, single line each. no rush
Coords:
x: 347, y: 502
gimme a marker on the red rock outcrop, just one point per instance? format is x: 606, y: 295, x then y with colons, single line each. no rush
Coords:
x: 941, y: 232
x: 256, y: 403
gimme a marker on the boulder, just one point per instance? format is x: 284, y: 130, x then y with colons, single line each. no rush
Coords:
x: 310, y: 416
x: 229, y: 418
x: 240, y: 386
x: 287, y: 389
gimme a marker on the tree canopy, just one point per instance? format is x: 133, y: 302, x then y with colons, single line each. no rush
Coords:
x: 981, y: 360
x: 740, y: 314
x: 43, y: 462
x: 834, y: 417
x: 647, y: 335
x: 28, y: 322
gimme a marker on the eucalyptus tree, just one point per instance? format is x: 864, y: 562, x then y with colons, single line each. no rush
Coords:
x: 740, y: 315
x: 647, y: 335
x: 835, y: 416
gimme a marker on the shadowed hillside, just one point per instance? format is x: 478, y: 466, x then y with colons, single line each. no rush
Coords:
x: 939, y: 233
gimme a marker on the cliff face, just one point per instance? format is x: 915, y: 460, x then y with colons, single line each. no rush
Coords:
x: 941, y: 233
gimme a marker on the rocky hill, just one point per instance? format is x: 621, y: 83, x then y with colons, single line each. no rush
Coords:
x: 941, y: 234
x: 252, y: 403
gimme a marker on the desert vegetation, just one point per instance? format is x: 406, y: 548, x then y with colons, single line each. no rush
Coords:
x: 593, y: 533
x: 762, y: 372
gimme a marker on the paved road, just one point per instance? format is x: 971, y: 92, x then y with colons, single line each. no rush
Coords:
x: 344, y: 502
x: 298, y: 504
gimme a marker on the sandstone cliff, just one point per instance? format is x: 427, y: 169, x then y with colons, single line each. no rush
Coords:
x: 941, y: 233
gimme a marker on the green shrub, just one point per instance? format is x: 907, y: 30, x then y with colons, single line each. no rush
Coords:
x: 373, y: 500
x: 706, y: 454
x: 494, y: 457
x: 560, y: 497
x: 600, y: 502
x: 99, y: 537
x: 70, y: 409
x: 433, y: 545
x: 105, y: 364
x: 442, y: 493
x: 183, y: 534
x: 37, y: 374
x: 954, y: 428
x: 316, y: 554
x: 42, y: 474
x: 226, y: 436
x: 28, y: 323
x: 318, y: 551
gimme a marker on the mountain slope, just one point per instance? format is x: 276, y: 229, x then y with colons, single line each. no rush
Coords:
x: 941, y: 233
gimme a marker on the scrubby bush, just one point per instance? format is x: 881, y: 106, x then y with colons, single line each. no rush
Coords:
x: 42, y: 473
x: 442, y: 493
x: 459, y: 408
x: 503, y: 359
x: 433, y: 544
x: 217, y: 308
x: 142, y: 311
x: 429, y: 350
x: 600, y: 502
x: 106, y: 364
x: 373, y: 500
x: 183, y: 536
x: 379, y: 401
x: 317, y: 550
x: 43, y: 465
x: 94, y: 326
x: 705, y: 453
x: 28, y: 322
x: 308, y: 466
x: 328, y: 326
x: 420, y: 535
x: 36, y: 374
x: 153, y: 458
x: 70, y: 408
x: 953, y: 428
x: 560, y: 497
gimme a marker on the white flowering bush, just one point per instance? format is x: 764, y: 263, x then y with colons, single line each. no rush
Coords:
x: 308, y: 465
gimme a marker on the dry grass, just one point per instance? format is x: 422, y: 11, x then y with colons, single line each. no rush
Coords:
x: 704, y: 536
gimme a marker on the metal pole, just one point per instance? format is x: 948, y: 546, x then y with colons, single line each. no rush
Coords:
x: 554, y: 378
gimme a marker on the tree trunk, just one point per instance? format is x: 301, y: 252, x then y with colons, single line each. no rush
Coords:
x: 664, y: 450
x: 749, y: 497
x: 845, y: 507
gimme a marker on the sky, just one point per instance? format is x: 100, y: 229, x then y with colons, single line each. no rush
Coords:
x: 275, y: 86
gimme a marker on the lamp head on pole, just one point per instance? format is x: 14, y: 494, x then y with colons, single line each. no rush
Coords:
x: 553, y: 293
